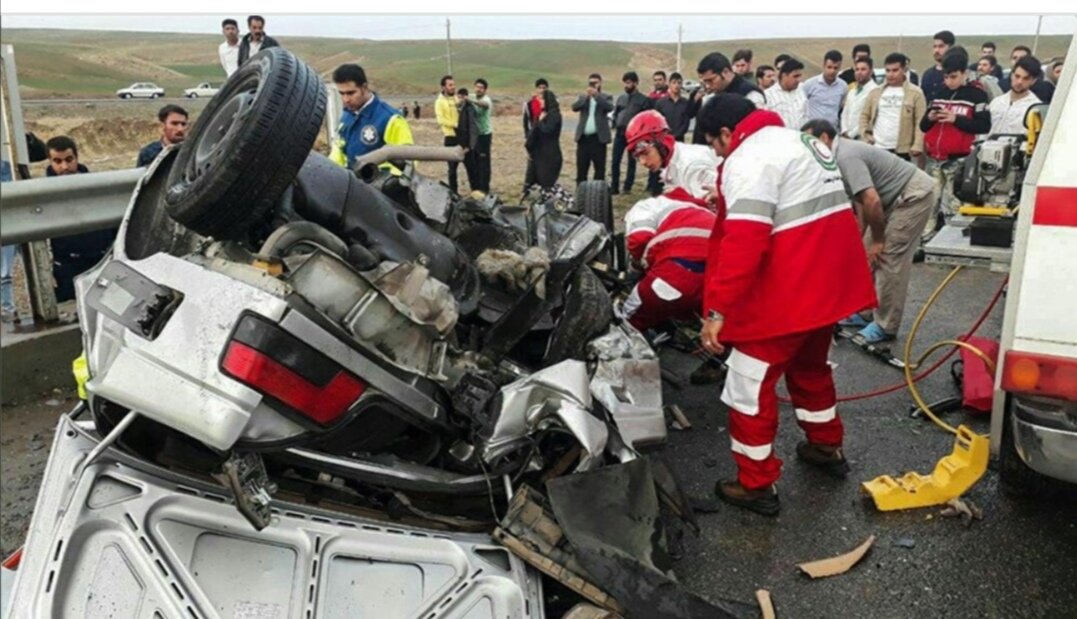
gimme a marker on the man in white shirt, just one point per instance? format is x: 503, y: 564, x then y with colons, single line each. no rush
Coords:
x: 888, y: 120
x: 825, y: 92
x: 1008, y: 110
x: 892, y: 114
x: 786, y: 97
x: 229, y: 49
x: 862, y: 86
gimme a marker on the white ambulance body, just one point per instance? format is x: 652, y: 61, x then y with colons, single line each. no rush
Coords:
x: 1034, y: 422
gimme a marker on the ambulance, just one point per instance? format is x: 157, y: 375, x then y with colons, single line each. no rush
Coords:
x: 1034, y: 421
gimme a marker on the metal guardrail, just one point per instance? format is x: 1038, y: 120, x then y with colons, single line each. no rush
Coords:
x: 43, y: 208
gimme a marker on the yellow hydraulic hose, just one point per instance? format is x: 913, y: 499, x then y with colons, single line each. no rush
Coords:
x: 909, y: 365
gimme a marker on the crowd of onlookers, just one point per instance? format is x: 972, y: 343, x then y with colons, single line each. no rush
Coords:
x: 883, y: 102
x: 932, y: 119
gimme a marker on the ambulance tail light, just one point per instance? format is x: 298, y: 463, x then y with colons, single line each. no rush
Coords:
x: 1042, y: 375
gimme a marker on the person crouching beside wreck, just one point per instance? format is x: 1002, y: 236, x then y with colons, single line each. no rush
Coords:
x: 667, y: 235
x: 792, y: 265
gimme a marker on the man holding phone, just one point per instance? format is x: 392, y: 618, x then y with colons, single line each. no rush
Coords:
x: 592, y: 130
x: 953, y: 120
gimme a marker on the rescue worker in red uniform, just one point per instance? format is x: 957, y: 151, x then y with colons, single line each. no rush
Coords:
x: 667, y: 239
x: 689, y: 172
x: 785, y: 264
x: 667, y: 235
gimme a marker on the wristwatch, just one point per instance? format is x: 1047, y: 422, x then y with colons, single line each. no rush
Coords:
x: 715, y: 315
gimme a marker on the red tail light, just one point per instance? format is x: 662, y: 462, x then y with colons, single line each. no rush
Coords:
x: 323, y: 404
x: 13, y: 560
x: 1044, y: 375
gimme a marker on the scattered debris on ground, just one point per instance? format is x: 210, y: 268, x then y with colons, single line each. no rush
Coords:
x: 839, y: 564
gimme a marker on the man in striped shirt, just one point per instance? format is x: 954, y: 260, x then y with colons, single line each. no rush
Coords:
x: 786, y: 97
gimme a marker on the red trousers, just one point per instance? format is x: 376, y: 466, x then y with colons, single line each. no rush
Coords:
x: 668, y: 291
x: 754, y: 370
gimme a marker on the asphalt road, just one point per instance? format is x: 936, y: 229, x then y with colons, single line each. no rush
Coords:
x: 1019, y: 561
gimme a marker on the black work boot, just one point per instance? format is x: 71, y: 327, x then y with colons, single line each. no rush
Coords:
x: 762, y: 501
x: 827, y: 458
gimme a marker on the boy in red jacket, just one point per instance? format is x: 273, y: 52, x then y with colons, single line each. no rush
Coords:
x: 950, y: 126
x: 785, y: 264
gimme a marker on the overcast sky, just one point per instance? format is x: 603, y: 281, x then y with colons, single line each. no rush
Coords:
x: 605, y: 27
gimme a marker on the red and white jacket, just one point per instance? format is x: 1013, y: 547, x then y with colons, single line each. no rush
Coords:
x: 692, y: 168
x: 662, y: 228
x: 787, y: 256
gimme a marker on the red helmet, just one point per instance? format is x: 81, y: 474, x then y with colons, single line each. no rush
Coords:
x: 646, y: 129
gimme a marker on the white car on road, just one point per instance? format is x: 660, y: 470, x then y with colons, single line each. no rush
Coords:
x: 205, y: 89
x: 144, y: 90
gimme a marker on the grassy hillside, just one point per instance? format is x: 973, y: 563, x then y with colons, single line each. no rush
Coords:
x: 75, y: 63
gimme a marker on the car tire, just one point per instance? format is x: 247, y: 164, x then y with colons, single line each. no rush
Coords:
x: 586, y: 313
x: 1016, y: 478
x: 193, y: 95
x: 125, y: 95
x: 593, y: 200
x: 154, y: 96
x: 247, y: 146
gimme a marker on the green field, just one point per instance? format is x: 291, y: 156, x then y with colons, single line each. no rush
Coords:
x: 84, y: 63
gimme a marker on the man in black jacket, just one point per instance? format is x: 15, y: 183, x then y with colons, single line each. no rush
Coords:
x: 173, y: 121
x: 76, y: 253
x: 674, y: 108
x: 592, y: 130
x: 716, y: 75
x: 860, y: 50
x: 256, y: 39
x: 628, y: 105
x: 931, y: 82
x: 467, y: 136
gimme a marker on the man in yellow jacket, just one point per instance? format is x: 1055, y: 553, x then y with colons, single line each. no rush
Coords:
x: 367, y: 123
x: 448, y: 119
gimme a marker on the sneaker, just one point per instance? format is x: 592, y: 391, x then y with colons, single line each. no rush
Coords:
x: 854, y: 321
x: 762, y: 501
x: 874, y: 334
x: 708, y: 373
x: 826, y: 458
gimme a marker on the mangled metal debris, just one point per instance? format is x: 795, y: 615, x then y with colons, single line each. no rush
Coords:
x: 530, y: 531
x: 612, y: 520
x: 560, y: 392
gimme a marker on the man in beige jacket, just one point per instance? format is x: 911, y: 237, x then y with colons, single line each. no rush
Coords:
x: 891, y: 116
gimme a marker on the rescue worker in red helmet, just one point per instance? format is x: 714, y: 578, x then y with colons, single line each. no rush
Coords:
x: 689, y: 171
x: 667, y: 236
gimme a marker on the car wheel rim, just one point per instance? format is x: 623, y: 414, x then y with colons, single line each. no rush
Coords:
x: 217, y: 132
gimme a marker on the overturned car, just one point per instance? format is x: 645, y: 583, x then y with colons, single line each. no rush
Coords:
x: 377, y: 372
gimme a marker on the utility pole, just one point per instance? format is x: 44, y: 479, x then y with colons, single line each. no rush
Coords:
x: 680, y: 35
x: 1036, y: 41
x: 448, y: 43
